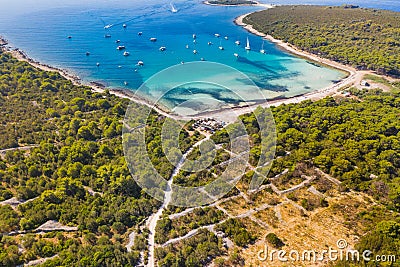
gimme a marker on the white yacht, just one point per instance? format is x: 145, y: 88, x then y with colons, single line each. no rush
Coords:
x: 140, y: 63
x: 194, y: 36
x: 153, y: 39
x: 262, y: 50
x: 236, y: 55
x: 140, y: 33
x: 195, y: 52
x: 209, y: 43
x: 247, y: 44
x: 162, y: 48
x: 121, y: 47
x: 126, y: 54
x: 237, y: 42
x: 124, y: 25
x: 217, y: 35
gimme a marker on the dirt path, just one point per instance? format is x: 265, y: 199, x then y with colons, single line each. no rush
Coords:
x: 91, y: 191
x: 152, y: 222
x: 23, y: 148
x: 39, y: 261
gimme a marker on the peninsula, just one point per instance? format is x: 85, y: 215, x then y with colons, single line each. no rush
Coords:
x: 231, y: 2
x: 365, y: 39
x: 67, y: 197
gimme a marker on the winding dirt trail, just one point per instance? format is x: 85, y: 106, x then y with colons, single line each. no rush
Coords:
x: 22, y: 148
x: 152, y: 222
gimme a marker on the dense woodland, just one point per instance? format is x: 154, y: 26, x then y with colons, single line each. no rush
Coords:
x: 363, y: 38
x: 76, y: 138
x: 196, y: 251
x: 75, y: 145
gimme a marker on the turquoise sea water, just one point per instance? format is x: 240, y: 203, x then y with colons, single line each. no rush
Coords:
x: 42, y: 32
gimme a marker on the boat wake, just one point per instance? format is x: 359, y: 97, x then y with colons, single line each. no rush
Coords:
x: 173, y: 8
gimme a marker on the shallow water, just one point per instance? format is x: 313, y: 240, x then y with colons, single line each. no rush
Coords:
x: 42, y: 33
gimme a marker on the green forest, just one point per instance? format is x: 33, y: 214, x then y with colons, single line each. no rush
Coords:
x: 363, y: 38
x: 74, y: 171
x: 75, y: 136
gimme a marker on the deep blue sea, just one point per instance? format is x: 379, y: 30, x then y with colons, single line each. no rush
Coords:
x: 41, y: 28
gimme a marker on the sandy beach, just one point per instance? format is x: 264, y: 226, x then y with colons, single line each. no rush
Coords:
x: 289, y: 48
x: 353, y: 73
x: 228, y: 114
x: 76, y: 80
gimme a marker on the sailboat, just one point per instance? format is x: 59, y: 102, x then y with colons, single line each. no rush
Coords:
x: 173, y: 9
x: 262, y: 51
x: 248, y: 44
x: 220, y: 46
